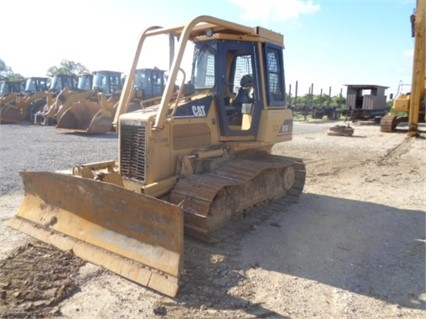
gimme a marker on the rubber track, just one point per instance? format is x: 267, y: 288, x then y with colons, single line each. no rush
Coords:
x: 198, y: 192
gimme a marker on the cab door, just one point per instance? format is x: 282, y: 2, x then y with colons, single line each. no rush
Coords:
x: 238, y: 89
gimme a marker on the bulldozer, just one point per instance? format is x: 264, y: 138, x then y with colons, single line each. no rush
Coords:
x: 410, y: 107
x: 192, y: 165
x: 92, y: 113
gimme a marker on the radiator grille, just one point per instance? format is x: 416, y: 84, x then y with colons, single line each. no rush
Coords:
x: 133, y: 152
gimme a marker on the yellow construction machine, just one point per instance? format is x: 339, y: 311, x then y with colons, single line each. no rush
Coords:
x: 9, y: 89
x: 11, y: 86
x: 92, y: 113
x: 148, y: 88
x: 192, y: 164
x: 18, y: 106
x: 38, y: 91
x: 411, y: 106
x: 56, y: 106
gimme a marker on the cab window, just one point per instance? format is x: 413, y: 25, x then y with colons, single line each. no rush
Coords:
x: 275, y: 76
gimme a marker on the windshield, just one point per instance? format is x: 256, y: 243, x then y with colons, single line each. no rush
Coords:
x: 85, y: 82
x: 69, y: 81
x: 56, y: 84
x: 59, y: 82
x: 16, y: 87
x: 141, y: 79
x: 203, y: 67
x: 100, y: 82
x: 150, y: 82
x: 35, y: 85
x: 3, y: 88
x: 107, y: 82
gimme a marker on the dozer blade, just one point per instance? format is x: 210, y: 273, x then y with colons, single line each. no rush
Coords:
x: 134, y: 235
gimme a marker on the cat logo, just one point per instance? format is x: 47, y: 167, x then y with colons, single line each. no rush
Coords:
x: 199, y: 111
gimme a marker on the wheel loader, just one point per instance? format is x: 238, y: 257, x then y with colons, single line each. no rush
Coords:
x: 148, y: 87
x: 38, y: 91
x: 193, y: 164
x: 9, y: 89
x: 92, y: 113
x: 56, y: 106
x: 18, y: 106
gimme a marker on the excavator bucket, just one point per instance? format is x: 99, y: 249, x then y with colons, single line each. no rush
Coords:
x: 136, y: 236
x: 86, y: 117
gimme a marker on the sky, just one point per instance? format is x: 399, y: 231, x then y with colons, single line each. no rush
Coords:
x: 328, y: 43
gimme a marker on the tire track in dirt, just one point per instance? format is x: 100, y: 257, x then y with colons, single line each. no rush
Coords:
x: 34, y: 279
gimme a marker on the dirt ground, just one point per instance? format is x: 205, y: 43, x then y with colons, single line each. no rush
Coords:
x: 352, y: 246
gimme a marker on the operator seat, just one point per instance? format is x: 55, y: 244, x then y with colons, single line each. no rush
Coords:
x: 243, y: 95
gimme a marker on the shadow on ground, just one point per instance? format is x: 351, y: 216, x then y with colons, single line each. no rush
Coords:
x: 365, y: 248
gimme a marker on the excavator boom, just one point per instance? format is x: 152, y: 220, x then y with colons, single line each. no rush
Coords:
x: 412, y: 105
x: 419, y: 65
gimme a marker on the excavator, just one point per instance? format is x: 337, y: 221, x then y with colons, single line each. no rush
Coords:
x: 193, y: 164
x: 411, y: 106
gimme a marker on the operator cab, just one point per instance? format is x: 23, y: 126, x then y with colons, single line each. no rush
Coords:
x: 227, y: 70
x: 107, y: 82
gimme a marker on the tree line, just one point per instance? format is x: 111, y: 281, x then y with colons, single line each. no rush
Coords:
x: 65, y: 67
x: 316, y: 99
x: 71, y: 67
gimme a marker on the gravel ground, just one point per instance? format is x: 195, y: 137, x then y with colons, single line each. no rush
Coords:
x: 353, y: 246
x: 28, y: 147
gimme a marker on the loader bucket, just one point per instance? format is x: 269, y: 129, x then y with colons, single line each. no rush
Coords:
x: 101, y: 123
x: 86, y: 117
x: 11, y: 113
x: 136, y: 236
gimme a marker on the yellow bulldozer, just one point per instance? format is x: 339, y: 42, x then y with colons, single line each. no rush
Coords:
x: 192, y: 164
x: 410, y: 107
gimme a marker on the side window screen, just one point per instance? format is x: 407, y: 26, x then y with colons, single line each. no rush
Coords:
x: 275, y: 77
x: 204, y: 67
